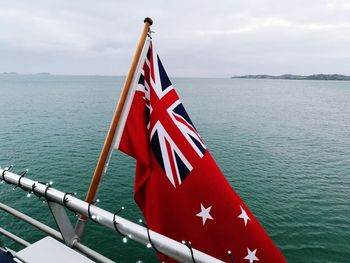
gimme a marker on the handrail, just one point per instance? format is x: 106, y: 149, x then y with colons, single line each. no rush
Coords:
x: 13, y: 237
x: 167, y: 246
x: 92, y: 254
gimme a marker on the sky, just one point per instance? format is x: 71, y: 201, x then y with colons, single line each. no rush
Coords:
x: 204, y: 38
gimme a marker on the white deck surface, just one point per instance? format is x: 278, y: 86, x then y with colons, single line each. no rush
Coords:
x: 50, y: 250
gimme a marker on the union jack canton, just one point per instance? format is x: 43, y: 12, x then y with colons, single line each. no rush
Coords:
x: 174, y: 140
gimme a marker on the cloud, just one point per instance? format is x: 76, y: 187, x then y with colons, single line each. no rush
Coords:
x: 194, y: 38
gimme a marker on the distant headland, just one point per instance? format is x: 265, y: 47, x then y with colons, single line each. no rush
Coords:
x: 297, y: 77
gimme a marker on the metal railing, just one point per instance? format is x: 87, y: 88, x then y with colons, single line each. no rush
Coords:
x: 92, y: 254
x: 182, y: 252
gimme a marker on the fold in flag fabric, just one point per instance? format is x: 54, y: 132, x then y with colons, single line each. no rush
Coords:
x: 178, y: 186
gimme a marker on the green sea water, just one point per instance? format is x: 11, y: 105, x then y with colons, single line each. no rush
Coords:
x: 283, y: 145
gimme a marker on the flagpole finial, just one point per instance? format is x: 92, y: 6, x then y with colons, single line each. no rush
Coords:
x: 148, y: 20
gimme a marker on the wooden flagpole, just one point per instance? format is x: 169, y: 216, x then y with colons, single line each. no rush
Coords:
x: 97, y: 176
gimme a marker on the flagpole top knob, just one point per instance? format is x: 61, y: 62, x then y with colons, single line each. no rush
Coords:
x: 148, y: 20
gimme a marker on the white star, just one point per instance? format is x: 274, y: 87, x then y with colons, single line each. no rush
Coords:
x: 204, y: 214
x: 244, y: 216
x: 251, y: 256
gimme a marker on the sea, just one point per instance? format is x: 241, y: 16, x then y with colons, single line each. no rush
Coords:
x: 284, y: 146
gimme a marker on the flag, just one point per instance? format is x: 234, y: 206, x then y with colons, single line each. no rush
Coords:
x: 178, y: 186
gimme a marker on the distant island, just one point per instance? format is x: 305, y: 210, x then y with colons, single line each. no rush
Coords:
x: 43, y: 73
x: 9, y: 73
x: 15, y: 73
x: 297, y: 77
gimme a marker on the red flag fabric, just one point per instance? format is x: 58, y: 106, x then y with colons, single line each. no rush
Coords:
x: 178, y: 186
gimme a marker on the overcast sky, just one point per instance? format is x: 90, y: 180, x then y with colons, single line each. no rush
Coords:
x: 193, y: 38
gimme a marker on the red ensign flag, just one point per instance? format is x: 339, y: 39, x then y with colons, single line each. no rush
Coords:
x: 178, y: 186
